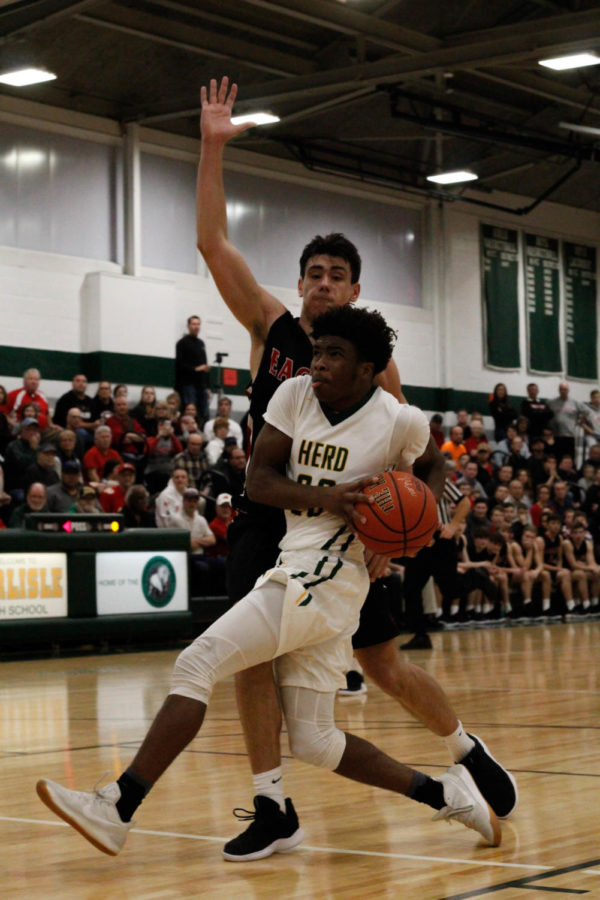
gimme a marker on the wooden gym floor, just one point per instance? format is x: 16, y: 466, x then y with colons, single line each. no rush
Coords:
x: 532, y: 693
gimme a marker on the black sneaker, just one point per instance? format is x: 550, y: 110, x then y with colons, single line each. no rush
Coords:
x: 497, y: 785
x: 418, y: 642
x: 270, y: 831
x: 355, y: 685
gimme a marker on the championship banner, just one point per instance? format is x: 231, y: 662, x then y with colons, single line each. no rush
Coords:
x: 141, y: 582
x: 499, y: 267
x: 581, y: 311
x: 33, y: 585
x: 542, y: 296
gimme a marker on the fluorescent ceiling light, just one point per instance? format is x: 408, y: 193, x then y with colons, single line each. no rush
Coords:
x: 575, y: 61
x: 452, y: 177
x: 257, y: 118
x: 582, y: 129
x: 23, y: 77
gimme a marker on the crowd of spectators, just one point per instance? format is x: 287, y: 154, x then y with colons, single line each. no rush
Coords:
x: 158, y: 464
x: 528, y: 539
x: 527, y: 548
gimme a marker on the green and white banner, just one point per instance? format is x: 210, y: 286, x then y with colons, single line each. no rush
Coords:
x: 542, y: 297
x: 500, y: 272
x: 581, y: 328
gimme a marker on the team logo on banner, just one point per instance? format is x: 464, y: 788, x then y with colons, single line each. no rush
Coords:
x: 159, y: 581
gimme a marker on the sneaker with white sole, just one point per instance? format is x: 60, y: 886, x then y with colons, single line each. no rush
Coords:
x: 270, y: 831
x: 495, y: 783
x: 465, y: 804
x: 94, y: 815
x: 355, y: 685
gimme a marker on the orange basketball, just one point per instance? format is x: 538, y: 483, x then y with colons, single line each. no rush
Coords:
x: 402, y: 518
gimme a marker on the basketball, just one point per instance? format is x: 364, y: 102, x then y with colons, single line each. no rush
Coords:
x: 402, y: 518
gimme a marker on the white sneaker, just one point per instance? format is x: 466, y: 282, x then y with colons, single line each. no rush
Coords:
x: 465, y: 804
x: 94, y: 815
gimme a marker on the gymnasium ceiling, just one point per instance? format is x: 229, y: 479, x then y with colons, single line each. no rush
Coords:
x: 386, y: 91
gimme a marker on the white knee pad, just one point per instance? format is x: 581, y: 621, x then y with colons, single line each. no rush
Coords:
x: 312, y: 734
x: 197, y: 667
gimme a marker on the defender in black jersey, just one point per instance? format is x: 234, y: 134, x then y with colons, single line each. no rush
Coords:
x: 279, y: 348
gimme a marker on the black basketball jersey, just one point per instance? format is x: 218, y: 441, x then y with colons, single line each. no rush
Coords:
x: 288, y: 352
x: 580, y: 553
x: 551, y: 549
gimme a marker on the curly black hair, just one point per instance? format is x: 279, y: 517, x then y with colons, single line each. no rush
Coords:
x: 366, y: 329
x: 335, y: 244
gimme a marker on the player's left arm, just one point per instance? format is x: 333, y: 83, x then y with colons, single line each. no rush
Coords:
x: 266, y: 481
x: 431, y: 468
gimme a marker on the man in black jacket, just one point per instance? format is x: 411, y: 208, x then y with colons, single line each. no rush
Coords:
x: 191, y: 368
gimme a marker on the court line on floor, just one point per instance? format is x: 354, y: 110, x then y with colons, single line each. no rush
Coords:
x: 314, y: 849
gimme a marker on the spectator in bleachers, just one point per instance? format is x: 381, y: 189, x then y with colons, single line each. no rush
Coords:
x: 35, y: 501
x: 220, y: 524
x: 77, y: 398
x: 566, y: 469
x: 74, y: 424
x: 593, y: 458
x: 135, y: 511
x: 215, y: 446
x: 561, y: 499
x: 87, y: 502
x: 478, y: 517
x: 591, y: 423
x: 519, y: 454
x: 169, y: 502
x: 502, y: 476
x: 588, y: 475
x: 477, y: 434
x: 543, y: 494
x: 102, y: 403
x: 550, y: 445
x: 144, y: 411
x: 436, y: 429
x: 128, y: 436
x: 516, y: 492
x: 30, y: 393
x: 224, y: 412
x: 501, y: 411
x: 454, y: 448
x: 4, y: 400
x: 536, y: 411
x: 528, y: 557
x: 485, y: 470
x: 522, y: 425
x: 66, y: 447
x: 112, y: 499
x: 469, y: 476
x: 567, y: 416
x: 161, y: 452
x: 500, y: 494
x: 120, y: 390
x: 187, y: 425
x: 63, y: 495
x: 43, y: 469
x: 193, y: 460
x: 95, y: 459
x: 6, y: 434
x: 19, y: 455
x: 229, y: 475
x: 204, y: 570
x: 536, y: 462
x: 173, y: 401
x: 462, y: 419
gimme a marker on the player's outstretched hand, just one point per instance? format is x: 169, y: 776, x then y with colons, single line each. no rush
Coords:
x: 341, y: 500
x: 217, y: 105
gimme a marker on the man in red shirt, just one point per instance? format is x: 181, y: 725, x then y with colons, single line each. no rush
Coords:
x: 220, y: 524
x: 30, y: 393
x: 97, y: 456
x: 112, y: 500
x: 128, y: 436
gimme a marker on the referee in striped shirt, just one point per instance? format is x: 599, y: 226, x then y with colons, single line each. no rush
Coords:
x: 439, y: 560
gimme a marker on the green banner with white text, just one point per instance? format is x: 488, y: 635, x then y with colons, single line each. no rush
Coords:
x: 542, y: 298
x: 581, y: 327
x: 499, y: 265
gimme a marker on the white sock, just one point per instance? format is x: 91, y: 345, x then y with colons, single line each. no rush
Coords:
x: 570, y: 605
x: 586, y: 604
x: 595, y: 601
x: 545, y: 604
x: 270, y: 784
x: 459, y: 743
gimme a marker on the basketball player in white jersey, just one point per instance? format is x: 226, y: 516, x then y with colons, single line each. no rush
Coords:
x: 314, y: 457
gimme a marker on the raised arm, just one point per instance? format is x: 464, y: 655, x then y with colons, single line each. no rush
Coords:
x: 254, y: 307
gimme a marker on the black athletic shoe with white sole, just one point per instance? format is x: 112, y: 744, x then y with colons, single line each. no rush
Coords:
x: 495, y: 783
x: 270, y: 831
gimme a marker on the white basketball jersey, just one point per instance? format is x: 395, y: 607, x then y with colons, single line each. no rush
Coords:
x: 333, y: 448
